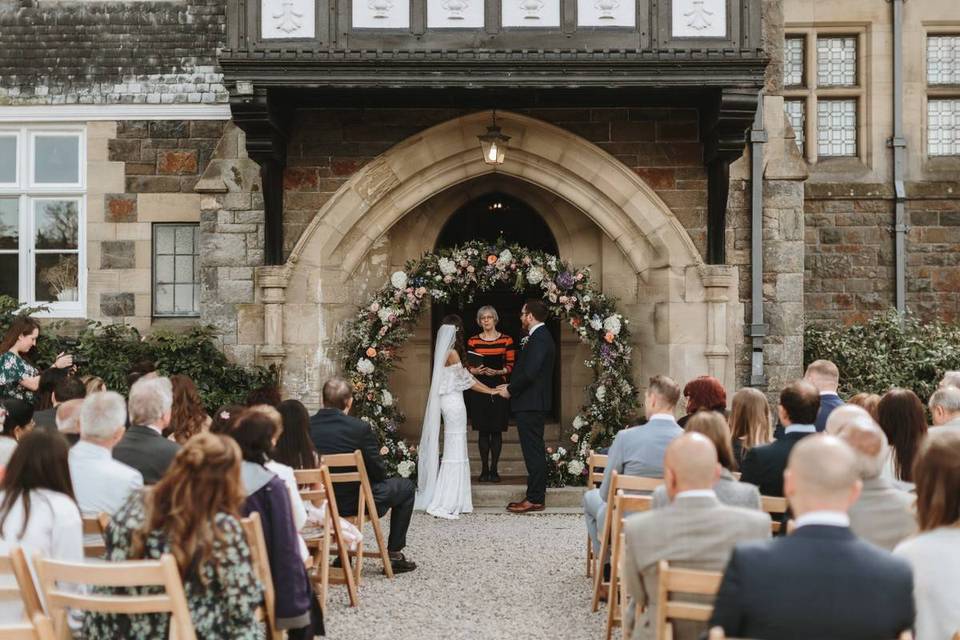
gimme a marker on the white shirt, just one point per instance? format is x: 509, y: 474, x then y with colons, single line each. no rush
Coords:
x: 285, y: 473
x: 800, y: 428
x: 696, y: 493
x: 7, y: 447
x: 662, y: 416
x: 100, y: 483
x: 534, y: 328
x: 825, y: 518
x: 935, y: 558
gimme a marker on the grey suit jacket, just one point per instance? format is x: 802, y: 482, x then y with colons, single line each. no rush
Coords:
x: 638, y: 451
x: 884, y: 514
x: 729, y: 491
x: 693, y: 533
x: 952, y: 425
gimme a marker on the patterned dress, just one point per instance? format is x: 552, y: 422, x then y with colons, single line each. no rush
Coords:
x: 13, y: 369
x: 223, y: 609
x: 491, y: 413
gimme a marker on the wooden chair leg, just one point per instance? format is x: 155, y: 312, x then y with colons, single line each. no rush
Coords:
x: 613, y: 606
x: 323, y: 564
x: 358, y: 554
x: 589, y: 558
x: 598, y: 560
x: 381, y: 544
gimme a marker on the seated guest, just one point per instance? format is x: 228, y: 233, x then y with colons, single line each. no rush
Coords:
x: 142, y: 369
x: 728, y: 490
x: 93, y: 383
x: 843, y: 415
x: 100, y: 483
x: 68, y: 420
x: 268, y: 394
x: 187, y: 415
x: 825, y: 376
x: 950, y: 379
x: 904, y: 422
x: 17, y: 422
x: 749, y: 422
x: 694, y: 531
x: 225, y: 418
x: 821, y: 581
x: 945, y: 408
x: 868, y: 401
x: 935, y: 553
x: 334, y: 431
x: 294, y: 447
x: 705, y: 393
x: 48, y: 380
x: 883, y: 514
x: 637, y: 451
x: 66, y: 388
x: 193, y: 514
x: 297, y: 610
x: 37, y: 507
x: 763, y: 466
x: 143, y: 447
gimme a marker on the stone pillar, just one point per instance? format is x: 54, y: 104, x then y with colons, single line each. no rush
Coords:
x: 717, y: 280
x: 272, y: 283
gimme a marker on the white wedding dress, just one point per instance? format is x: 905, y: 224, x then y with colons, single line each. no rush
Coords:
x: 445, y: 492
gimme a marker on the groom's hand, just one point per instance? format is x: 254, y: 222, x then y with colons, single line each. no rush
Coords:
x: 502, y: 391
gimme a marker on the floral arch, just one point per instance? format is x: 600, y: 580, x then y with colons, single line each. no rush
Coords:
x: 380, y: 327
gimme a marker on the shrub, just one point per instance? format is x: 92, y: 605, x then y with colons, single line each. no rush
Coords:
x: 109, y: 351
x: 887, y: 351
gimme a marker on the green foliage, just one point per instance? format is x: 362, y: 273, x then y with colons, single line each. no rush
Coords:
x: 109, y: 351
x: 887, y: 352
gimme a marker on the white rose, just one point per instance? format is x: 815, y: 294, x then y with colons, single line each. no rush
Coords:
x: 405, y: 468
x: 601, y: 393
x: 399, y: 280
x: 555, y: 456
x: 386, y: 398
x: 364, y: 366
x: 561, y: 451
x: 534, y: 275
x: 505, y: 257
x: 579, y: 423
x: 552, y: 263
x: 447, y: 266
x: 575, y: 467
x: 612, y: 325
x: 575, y: 438
x: 595, y: 324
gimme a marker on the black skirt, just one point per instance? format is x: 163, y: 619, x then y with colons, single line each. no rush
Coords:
x: 488, y: 413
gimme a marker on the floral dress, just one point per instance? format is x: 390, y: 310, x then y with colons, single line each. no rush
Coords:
x: 13, y: 369
x: 224, y: 608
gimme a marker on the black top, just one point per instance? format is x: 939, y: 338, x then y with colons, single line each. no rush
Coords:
x: 146, y: 451
x: 821, y: 582
x: 764, y: 465
x: 531, y: 385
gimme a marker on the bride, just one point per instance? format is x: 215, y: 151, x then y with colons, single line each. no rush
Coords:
x: 446, y: 494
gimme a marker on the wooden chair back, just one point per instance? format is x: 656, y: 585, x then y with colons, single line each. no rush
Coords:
x: 623, y: 506
x: 596, y: 464
x: 332, y: 534
x: 137, y: 573
x: 366, y: 507
x: 39, y: 628
x: 93, y: 525
x: 685, y: 581
x: 310, y: 482
x: 16, y: 565
x: 775, y: 506
x: 253, y: 531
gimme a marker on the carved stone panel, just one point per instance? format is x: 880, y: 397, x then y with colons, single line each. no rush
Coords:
x: 287, y: 19
x: 381, y: 14
x: 699, y: 19
x: 606, y: 13
x: 454, y: 14
x: 530, y: 13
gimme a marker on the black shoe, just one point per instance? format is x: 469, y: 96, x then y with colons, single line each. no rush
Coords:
x: 336, y: 562
x: 401, y: 564
x: 484, y: 476
x: 493, y: 477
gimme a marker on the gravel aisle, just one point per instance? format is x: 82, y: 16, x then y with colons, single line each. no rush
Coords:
x: 484, y: 576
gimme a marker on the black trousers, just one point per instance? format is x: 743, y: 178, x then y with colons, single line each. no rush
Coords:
x: 530, y: 428
x: 397, y: 496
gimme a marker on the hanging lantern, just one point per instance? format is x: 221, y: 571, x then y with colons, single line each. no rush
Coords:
x: 494, y: 144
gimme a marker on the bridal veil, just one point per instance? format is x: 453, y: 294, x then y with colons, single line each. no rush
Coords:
x: 428, y: 453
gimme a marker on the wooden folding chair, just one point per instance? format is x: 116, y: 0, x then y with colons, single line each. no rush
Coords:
x: 16, y: 565
x: 775, y: 507
x: 685, y: 581
x: 617, y: 482
x: 366, y: 507
x: 623, y: 506
x: 95, y: 525
x: 253, y: 530
x: 38, y: 628
x: 138, y: 573
x: 596, y: 463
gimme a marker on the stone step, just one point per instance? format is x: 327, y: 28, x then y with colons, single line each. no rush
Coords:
x: 499, y: 495
x: 551, y: 433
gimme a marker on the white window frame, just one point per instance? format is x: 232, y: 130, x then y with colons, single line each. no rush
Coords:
x: 936, y: 91
x: 28, y: 192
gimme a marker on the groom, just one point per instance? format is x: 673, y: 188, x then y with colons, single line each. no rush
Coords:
x: 531, y: 396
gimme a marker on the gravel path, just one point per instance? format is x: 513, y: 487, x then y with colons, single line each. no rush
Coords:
x: 485, y: 576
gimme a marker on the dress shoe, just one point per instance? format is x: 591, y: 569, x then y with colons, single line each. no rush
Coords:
x: 493, y: 476
x: 514, y: 504
x: 400, y: 564
x: 484, y: 476
x: 526, y: 507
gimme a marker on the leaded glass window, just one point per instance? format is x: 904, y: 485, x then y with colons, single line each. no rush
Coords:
x: 793, y: 62
x: 176, y: 272
x: 943, y: 127
x: 837, y: 127
x: 943, y: 59
x: 796, y: 113
x: 837, y: 61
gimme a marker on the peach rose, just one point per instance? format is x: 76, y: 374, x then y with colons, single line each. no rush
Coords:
x: 609, y: 337
x: 384, y: 451
x: 371, y: 352
x: 491, y: 259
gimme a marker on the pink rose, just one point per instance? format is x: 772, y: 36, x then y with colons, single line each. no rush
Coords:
x: 375, y: 307
x: 384, y: 451
x: 448, y: 279
x: 579, y: 276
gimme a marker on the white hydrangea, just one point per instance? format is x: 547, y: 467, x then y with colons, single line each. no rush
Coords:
x: 601, y: 393
x: 447, y: 266
x: 399, y: 280
x: 596, y: 324
x: 405, y: 468
x: 505, y: 256
x: 575, y: 467
x: 534, y: 275
x: 364, y: 366
x: 579, y: 422
x: 612, y: 325
x: 386, y: 398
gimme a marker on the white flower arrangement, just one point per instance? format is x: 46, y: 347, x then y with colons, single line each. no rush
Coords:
x: 575, y: 467
x: 385, y: 312
x: 447, y: 266
x: 579, y: 422
x: 399, y: 280
x: 596, y: 324
x: 601, y: 393
x: 535, y: 275
x: 365, y: 367
x: 555, y: 456
x: 561, y: 451
x: 405, y: 468
x: 386, y: 398
x: 505, y: 257
x: 612, y: 325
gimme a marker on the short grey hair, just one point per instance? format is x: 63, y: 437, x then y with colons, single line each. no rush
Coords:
x: 488, y: 309
x: 946, y: 397
x: 950, y: 379
x: 102, y: 414
x: 869, y: 444
x: 67, y: 415
x: 150, y: 400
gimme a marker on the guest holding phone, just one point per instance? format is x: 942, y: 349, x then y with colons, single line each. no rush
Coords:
x: 490, y: 358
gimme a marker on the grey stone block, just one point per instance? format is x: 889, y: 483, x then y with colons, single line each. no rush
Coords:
x: 118, y: 254
x: 114, y: 305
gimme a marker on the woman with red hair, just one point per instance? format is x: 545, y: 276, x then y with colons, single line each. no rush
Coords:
x: 705, y: 393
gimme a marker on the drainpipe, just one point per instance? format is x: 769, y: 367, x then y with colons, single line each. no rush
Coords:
x: 757, y: 329
x: 899, y: 144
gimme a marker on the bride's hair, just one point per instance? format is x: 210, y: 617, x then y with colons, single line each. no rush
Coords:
x: 456, y: 321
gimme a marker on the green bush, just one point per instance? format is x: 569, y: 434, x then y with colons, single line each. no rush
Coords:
x: 109, y: 351
x: 887, y: 351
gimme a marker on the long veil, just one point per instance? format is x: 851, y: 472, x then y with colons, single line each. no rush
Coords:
x: 429, y: 451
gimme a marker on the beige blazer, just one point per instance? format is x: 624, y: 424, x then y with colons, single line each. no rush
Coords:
x: 883, y: 514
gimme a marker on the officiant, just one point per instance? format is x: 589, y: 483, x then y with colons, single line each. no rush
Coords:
x: 490, y: 358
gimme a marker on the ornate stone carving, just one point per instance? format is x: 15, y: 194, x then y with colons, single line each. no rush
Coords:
x: 606, y: 13
x: 287, y: 18
x: 456, y: 14
x: 381, y: 14
x: 376, y: 181
x: 530, y: 13
x: 699, y: 19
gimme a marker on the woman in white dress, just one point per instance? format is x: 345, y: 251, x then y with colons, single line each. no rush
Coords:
x: 443, y: 489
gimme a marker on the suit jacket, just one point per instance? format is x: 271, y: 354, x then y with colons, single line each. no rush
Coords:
x: 764, y: 465
x: 333, y: 431
x: 828, y: 402
x: 694, y: 532
x: 952, y: 425
x: 146, y: 451
x: 531, y: 383
x: 819, y: 582
x: 883, y: 514
x: 46, y: 419
x: 638, y: 451
x: 729, y: 490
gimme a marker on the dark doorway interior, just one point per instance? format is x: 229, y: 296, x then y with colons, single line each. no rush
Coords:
x: 491, y: 217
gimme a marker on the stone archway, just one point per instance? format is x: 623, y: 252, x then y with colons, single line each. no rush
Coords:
x: 686, y: 314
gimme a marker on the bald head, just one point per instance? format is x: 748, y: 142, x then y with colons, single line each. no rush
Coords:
x: 868, y: 443
x: 844, y: 415
x: 690, y: 462
x: 821, y: 475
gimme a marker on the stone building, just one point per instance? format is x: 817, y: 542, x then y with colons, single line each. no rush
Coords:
x: 263, y: 166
